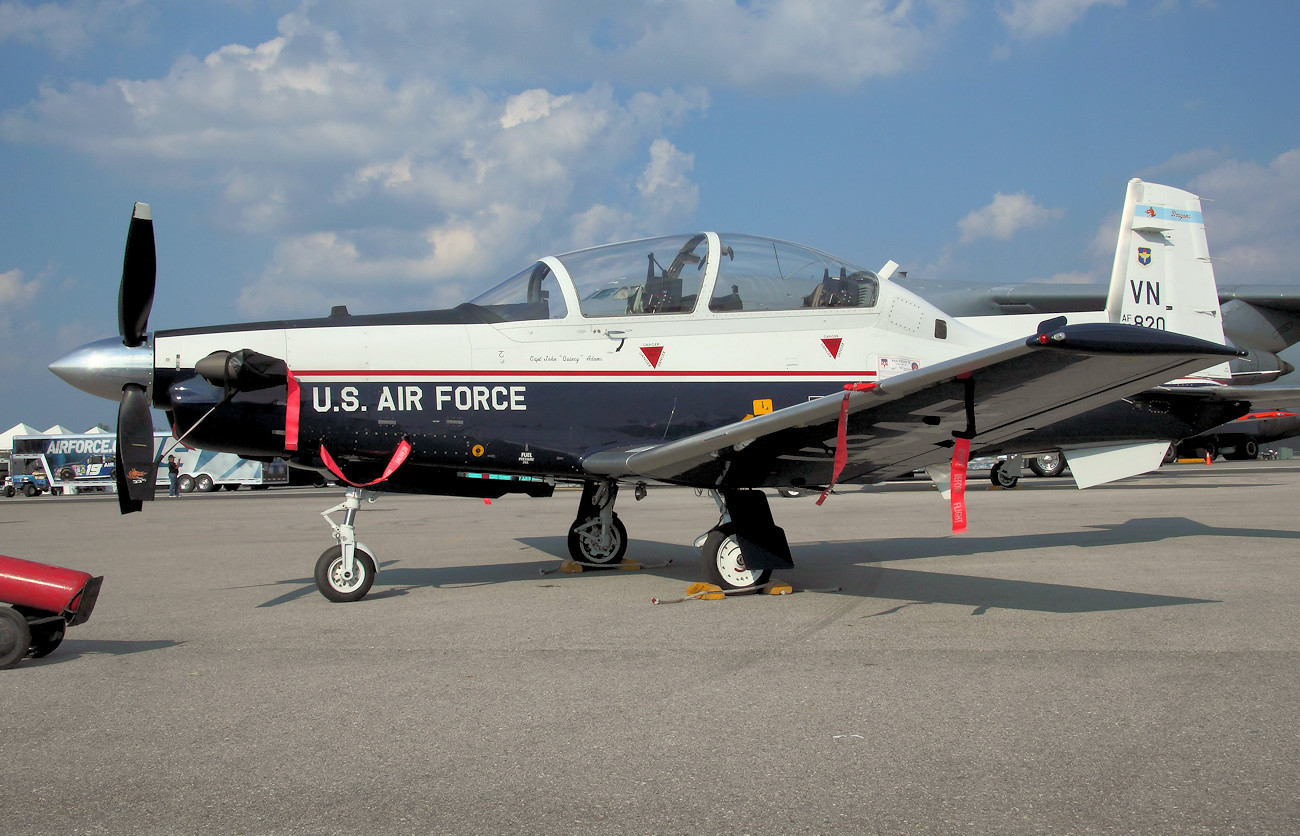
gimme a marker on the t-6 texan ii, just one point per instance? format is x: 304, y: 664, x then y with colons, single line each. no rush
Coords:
x: 728, y: 363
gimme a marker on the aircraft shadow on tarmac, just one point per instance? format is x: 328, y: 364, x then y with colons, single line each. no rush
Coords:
x: 852, y: 565
x: 71, y: 649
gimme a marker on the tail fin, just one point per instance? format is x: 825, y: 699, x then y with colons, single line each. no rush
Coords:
x: 1162, y: 276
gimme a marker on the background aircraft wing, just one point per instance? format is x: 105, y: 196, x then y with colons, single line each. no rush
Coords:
x: 909, y: 421
x: 1259, y: 396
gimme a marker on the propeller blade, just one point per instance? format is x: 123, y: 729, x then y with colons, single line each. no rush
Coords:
x: 139, y: 272
x: 135, y: 470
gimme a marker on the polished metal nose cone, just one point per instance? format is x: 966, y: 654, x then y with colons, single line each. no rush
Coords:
x: 103, y: 367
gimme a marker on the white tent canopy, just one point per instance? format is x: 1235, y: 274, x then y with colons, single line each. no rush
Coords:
x: 57, y: 429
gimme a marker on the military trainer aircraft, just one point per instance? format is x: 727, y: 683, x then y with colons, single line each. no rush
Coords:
x: 725, y: 362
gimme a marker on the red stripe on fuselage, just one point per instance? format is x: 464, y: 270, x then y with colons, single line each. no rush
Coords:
x: 300, y: 374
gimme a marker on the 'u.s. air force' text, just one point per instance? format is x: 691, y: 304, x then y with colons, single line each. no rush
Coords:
x: 413, y: 399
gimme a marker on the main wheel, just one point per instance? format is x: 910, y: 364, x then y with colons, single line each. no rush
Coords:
x: 203, y: 483
x: 1048, y: 464
x: 341, y: 588
x: 185, y: 483
x: 1002, y: 476
x: 30, y: 490
x: 1248, y: 449
x: 10, y: 490
x: 15, y: 637
x: 584, y: 542
x: 724, y: 565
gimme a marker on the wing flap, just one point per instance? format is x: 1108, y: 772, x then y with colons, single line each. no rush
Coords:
x: 909, y: 421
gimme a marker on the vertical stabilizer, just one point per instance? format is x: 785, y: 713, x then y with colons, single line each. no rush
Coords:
x: 1162, y: 276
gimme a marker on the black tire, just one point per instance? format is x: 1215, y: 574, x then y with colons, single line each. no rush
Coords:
x: 203, y: 483
x: 67, y: 474
x: 15, y: 637
x: 789, y: 493
x: 185, y: 484
x: 725, y: 566
x: 584, y: 542
x: 30, y: 490
x: 1248, y: 450
x: 46, y: 638
x: 1048, y: 464
x: 1171, y: 454
x: 10, y: 490
x: 1002, y: 476
x: 330, y: 580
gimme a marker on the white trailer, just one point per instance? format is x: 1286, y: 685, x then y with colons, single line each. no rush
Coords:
x: 82, y: 462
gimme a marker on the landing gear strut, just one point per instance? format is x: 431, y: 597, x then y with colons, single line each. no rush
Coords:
x: 597, y: 536
x: 345, y: 572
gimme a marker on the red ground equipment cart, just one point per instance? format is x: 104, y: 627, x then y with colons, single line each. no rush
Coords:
x: 46, y: 600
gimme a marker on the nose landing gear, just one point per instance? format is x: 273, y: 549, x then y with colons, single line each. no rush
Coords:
x: 599, y: 538
x: 345, y: 572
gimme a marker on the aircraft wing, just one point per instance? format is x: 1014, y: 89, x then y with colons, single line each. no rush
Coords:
x: 910, y: 421
x: 1278, y: 297
x: 1260, y: 395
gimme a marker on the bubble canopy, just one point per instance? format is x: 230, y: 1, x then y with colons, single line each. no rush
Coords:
x: 670, y: 275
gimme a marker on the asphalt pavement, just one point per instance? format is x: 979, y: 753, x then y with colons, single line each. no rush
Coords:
x: 1116, y: 660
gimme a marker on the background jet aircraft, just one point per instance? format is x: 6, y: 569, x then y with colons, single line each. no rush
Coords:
x: 1262, y: 319
x: 724, y: 362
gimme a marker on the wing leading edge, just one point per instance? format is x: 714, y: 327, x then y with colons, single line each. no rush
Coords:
x: 910, y: 421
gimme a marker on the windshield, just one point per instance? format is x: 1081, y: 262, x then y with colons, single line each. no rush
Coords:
x: 761, y: 274
x: 531, y: 294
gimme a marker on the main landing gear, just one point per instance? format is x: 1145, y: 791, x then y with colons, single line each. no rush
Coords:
x: 741, y: 551
x: 345, y: 572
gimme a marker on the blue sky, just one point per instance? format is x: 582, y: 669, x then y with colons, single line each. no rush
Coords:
x: 399, y: 154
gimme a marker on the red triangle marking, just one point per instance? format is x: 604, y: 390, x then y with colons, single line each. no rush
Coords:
x: 832, y: 345
x: 653, y: 353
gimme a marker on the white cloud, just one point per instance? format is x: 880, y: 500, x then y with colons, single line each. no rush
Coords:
x: 369, y: 179
x: 14, y: 292
x: 15, y: 296
x: 1027, y: 19
x: 62, y: 28
x: 529, y: 106
x: 761, y: 45
x: 1252, y: 212
x: 665, y: 189
x: 1004, y: 217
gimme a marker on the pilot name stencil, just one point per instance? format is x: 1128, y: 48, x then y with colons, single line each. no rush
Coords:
x: 408, y: 398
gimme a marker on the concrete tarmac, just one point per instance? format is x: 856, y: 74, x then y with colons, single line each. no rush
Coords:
x: 1116, y: 660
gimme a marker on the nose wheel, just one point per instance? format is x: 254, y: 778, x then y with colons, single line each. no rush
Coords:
x: 597, y: 536
x: 342, y: 584
x: 589, y: 544
x: 345, y: 572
